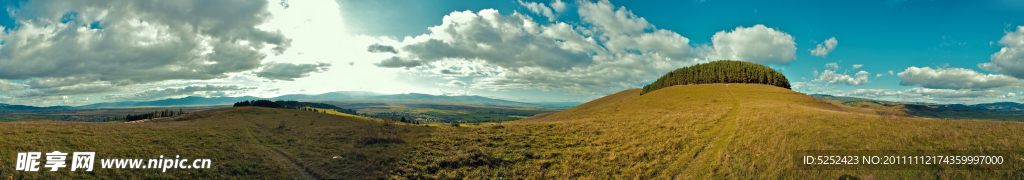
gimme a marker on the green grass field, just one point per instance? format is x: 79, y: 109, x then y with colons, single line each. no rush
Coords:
x: 712, y: 131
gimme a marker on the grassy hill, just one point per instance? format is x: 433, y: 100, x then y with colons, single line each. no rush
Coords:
x: 709, y: 131
x: 746, y: 131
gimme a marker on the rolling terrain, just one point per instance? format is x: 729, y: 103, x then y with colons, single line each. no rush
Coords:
x: 995, y: 111
x: 708, y: 131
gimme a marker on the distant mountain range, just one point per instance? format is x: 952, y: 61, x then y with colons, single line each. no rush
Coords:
x: 999, y: 107
x: 332, y: 96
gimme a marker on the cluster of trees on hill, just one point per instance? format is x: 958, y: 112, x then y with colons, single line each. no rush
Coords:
x: 258, y: 103
x: 293, y: 105
x: 400, y: 119
x: 154, y: 114
x: 726, y: 71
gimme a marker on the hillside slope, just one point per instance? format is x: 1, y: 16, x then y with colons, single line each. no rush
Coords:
x: 749, y: 131
x: 242, y: 142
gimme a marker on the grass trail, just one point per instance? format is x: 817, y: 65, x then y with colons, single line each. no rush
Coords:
x: 279, y: 157
x: 715, y: 152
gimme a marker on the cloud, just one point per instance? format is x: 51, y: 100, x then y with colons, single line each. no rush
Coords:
x: 891, y: 72
x: 139, y: 42
x: 825, y: 47
x: 54, y: 92
x: 1010, y: 59
x: 450, y: 72
x: 176, y: 92
x: 453, y: 83
x: 832, y: 65
x: 811, y: 87
x: 378, y: 48
x: 870, y: 93
x: 955, y: 78
x: 758, y: 44
x: 856, y: 66
x: 398, y: 62
x: 607, y: 19
x: 558, y: 5
x: 919, y: 94
x: 289, y: 71
x: 834, y: 78
x: 539, y: 8
x: 7, y: 87
x: 950, y: 93
x: 801, y: 85
x: 110, y: 46
x: 512, y: 41
x: 609, y: 50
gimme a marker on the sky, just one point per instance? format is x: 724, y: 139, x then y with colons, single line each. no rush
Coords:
x: 69, y: 53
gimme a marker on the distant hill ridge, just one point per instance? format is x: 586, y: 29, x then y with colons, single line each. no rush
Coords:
x: 996, y: 107
x: 726, y: 71
x: 336, y: 96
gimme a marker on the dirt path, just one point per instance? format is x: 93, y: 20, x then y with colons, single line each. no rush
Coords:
x: 290, y: 163
x: 725, y: 128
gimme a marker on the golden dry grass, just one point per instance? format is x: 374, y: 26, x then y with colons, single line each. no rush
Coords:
x: 717, y: 131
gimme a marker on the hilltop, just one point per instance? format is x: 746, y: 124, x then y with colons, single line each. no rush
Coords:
x: 725, y: 71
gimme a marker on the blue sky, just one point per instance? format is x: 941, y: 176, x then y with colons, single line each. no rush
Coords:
x: 534, y: 51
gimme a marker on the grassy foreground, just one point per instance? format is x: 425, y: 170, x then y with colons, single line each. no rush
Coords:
x: 711, y: 131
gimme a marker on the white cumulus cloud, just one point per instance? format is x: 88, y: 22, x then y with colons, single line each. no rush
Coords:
x: 955, y: 78
x: 539, y: 8
x: 834, y: 78
x: 832, y: 65
x: 609, y: 50
x: 111, y: 46
x: 612, y: 50
x: 558, y: 5
x: 1010, y: 59
x: 954, y: 93
x: 759, y: 44
x: 825, y: 47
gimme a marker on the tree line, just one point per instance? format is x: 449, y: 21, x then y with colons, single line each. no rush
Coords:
x: 293, y: 105
x: 726, y: 71
x: 154, y: 114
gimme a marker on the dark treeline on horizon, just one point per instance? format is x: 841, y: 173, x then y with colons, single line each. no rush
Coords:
x: 726, y: 71
x: 293, y: 105
x: 154, y: 114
